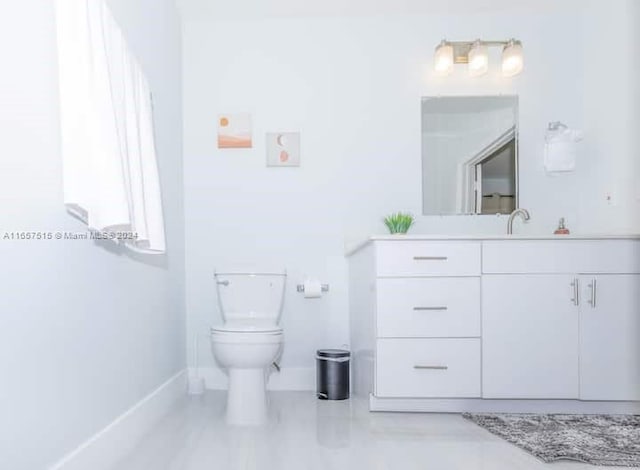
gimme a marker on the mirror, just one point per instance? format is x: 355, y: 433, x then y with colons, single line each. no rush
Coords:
x: 469, y: 155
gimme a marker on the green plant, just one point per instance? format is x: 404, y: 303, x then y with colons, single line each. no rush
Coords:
x: 398, y: 222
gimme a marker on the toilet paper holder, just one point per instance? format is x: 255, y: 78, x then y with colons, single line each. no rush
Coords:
x: 323, y: 287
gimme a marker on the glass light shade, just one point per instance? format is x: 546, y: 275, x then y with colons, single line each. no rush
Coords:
x: 443, y: 60
x: 478, y: 59
x: 512, y: 59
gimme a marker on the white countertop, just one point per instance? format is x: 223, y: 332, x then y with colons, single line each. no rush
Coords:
x: 354, y: 247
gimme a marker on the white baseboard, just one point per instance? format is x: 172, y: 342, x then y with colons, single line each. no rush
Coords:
x: 479, y: 405
x: 105, y: 448
x: 289, y: 378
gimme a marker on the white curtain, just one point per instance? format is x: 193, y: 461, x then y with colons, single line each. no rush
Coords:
x: 109, y: 160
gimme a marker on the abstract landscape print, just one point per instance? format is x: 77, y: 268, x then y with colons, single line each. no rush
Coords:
x: 234, y: 131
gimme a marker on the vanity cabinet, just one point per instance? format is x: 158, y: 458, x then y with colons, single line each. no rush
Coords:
x: 520, y: 325
x: 556, y: 333
x: 427, y: 317
x: 530, y: 344
x: 561, y: 336
x: 610, y: 337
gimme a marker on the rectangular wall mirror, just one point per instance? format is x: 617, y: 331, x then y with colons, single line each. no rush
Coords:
x: 469, y: 155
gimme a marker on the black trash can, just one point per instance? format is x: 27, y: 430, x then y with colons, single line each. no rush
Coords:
x: 332, y: 374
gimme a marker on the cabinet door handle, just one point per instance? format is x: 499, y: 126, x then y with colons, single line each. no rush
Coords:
x: 576, y: 291
x: 429, y: 308
x: 594, y: 287
x: 418, y: 366
x: 430, y: 258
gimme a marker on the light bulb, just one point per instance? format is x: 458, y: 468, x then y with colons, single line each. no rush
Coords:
x: 478, y: 59
x: 443, y: 60
x: 512, y: 60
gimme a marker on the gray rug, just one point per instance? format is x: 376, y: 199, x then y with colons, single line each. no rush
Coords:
x: 612, y: 440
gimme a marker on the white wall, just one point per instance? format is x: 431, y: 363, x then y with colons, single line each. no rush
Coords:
x: 612, y: 110
x: 84, y: 332
x: 352, y: 87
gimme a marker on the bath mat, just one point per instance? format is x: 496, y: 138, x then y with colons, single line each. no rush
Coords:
x: 611, y: 440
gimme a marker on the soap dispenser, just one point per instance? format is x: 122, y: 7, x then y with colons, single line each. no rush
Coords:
x: 562, y: 229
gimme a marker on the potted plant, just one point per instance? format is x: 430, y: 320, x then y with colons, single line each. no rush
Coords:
x: 398, y: 222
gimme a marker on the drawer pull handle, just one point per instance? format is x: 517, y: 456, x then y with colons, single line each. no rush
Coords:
x: 431, y: 367
x: 576, y: 292
x: 430, y: 258
x: 593, y: 286
x: 429, y: 308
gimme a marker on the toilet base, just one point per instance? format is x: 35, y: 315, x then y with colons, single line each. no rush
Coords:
x: 247, y: 397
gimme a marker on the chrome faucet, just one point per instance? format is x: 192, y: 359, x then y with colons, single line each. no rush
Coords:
x: 525, y: 216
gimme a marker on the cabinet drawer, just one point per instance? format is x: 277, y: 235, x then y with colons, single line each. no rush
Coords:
x: 427, y: 258
x: 428, y: 368
x: 561, y: 256
x: 433, y: 307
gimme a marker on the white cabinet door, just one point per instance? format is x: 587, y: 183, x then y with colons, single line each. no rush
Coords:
x: 610, y: 337
x: 530, y: 336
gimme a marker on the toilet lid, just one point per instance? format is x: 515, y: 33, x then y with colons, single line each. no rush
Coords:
x: 247, y: 326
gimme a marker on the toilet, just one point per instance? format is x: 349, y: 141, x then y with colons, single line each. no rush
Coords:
x: 249, y: 341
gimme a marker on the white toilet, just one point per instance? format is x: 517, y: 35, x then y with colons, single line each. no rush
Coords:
x: 249, y: 341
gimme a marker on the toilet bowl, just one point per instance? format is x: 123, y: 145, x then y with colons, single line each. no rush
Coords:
x: 249, y: 341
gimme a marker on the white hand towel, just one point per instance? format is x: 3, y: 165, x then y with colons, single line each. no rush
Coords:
x: 560, y: 150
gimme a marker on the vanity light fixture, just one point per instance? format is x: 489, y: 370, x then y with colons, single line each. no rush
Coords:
x: 512, y: 61
x: 443, y: 60
x: 478, y: 59
x: 476, y: 55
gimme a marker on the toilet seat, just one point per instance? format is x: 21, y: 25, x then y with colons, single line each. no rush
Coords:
x: 246, y: 338
x: 247, y: 332
x: 247, y: 326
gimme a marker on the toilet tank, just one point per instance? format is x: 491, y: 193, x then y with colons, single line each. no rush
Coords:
x: 251, y: 296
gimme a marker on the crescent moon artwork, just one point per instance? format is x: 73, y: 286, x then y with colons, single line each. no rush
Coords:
x: 283, y: 149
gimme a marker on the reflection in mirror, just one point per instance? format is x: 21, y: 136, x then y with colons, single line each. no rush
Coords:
x: 469, y: 155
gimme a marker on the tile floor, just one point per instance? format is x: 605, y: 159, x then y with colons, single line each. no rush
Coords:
x: 308, y: 434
